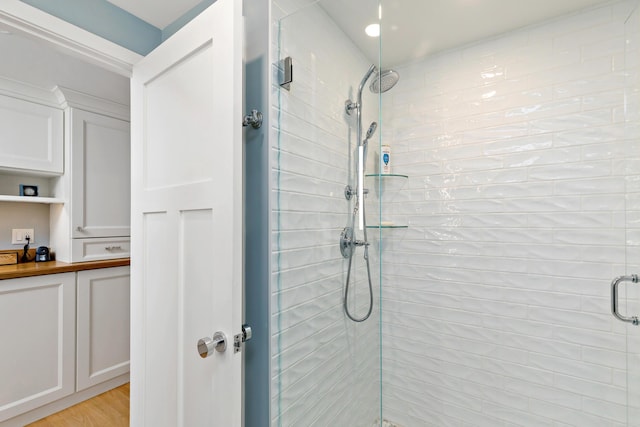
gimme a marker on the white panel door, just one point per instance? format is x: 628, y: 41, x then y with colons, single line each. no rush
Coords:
x: 186, y: 249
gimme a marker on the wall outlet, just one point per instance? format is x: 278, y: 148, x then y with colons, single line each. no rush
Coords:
x: 19, y: 236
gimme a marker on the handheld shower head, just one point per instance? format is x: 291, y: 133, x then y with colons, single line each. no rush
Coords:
x: 365, y: 144
x: 372, y: 129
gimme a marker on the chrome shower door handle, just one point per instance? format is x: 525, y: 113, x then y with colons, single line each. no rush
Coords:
x: 614, y: 298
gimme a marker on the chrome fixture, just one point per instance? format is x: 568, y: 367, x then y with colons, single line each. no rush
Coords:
x: 348, y: 243
x: 365, y: 144
x: 285, y: 72
x: 241, y: 338
x: 614, y: 298
x: 350, y: 106
x: 346, y: 237
x: 206, y: 345
x: 372, y: 129
x: 349, y: 192
x: 383, y: 81
x: 254, y: 119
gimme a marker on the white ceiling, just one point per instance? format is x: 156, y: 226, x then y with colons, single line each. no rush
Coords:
x: 411, y: 29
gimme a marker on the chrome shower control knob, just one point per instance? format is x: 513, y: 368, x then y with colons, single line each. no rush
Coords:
x: 346, y: 242
x: 206, y: 345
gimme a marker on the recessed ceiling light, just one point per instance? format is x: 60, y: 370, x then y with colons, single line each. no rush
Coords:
x: 373, y: 30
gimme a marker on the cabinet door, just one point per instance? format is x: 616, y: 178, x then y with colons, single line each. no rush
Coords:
x: 103, y: 325
x: 100, y: 162
x: 37, y: 330
x: 31, y: 137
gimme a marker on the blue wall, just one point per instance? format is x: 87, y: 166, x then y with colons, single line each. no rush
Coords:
x: 180, y: 22
x: 106, y: 20
x: 114, y: 24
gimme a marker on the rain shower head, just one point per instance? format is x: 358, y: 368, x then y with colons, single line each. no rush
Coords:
x: 384, y: 80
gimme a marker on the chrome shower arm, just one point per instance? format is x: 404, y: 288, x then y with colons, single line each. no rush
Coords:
x: 371, y: 70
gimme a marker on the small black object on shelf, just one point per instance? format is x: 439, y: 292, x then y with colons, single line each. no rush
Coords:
x: 28, y: 190
x: 43, y: 254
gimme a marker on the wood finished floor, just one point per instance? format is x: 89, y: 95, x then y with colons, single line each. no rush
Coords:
x: 110, y: 409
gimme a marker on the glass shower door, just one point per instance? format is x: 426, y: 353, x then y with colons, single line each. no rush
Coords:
x: 325, y: 367
x: 631, y: 304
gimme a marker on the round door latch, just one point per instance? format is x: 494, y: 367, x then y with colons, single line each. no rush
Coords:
x: 206, y: 345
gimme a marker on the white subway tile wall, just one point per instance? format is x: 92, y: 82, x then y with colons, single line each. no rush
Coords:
x: 522, y: 204
x: 325, y: 368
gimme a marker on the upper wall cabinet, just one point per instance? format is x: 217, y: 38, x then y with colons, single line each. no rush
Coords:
x: 100, y: 186
x: 94, y: 222
x: 31, y: 137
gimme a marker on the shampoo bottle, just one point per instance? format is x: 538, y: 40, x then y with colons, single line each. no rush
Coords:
x: 385, y: 160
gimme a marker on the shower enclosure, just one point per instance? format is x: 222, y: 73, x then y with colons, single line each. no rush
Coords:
x: 481, y: 280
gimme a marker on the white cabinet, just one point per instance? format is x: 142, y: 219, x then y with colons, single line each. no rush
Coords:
x: 37, y: 329
x: 94, y: 223
x: 103, y: 325
x: 31, y: 137
x: 100, y: 170
x: 65, y: 338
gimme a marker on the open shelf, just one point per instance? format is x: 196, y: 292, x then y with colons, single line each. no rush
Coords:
x: 26, y: 199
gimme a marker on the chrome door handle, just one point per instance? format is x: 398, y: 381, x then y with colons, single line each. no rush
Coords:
x: 614, y: 298
x: 206, y: 345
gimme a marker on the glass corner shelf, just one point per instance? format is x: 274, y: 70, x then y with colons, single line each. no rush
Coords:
x: 385, y: 175
x: 387, y: 226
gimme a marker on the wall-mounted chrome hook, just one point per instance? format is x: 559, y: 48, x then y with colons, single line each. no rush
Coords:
x: 254, y: 119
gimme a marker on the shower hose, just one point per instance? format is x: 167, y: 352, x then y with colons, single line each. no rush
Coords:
x: 365, y: 243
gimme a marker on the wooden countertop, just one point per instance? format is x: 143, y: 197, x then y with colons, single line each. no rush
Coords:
x: 28, y: 269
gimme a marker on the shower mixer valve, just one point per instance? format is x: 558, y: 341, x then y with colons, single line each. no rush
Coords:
x: 347, y: 242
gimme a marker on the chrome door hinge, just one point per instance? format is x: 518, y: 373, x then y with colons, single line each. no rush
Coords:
x: 241, y: 338
x: 285, y: 72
